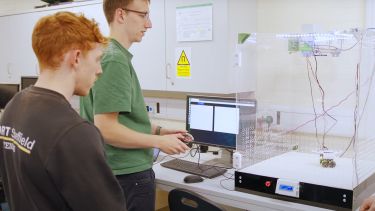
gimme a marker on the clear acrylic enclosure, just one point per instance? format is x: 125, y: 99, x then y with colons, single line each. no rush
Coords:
x: 315, y: 107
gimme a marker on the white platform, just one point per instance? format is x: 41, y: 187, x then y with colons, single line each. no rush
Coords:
x: 305, y: 167
x: 221, y: 189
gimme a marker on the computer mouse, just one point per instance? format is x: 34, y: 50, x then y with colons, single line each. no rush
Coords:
x: 193, y: 179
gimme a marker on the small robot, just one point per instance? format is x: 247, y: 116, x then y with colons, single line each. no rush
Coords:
x: 327, y: 159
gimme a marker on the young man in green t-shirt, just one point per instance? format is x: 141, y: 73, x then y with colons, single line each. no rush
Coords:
x: 116, y: 106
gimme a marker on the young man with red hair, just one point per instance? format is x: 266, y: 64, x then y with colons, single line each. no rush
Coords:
x: 50, y: 158
x: 116, y: 106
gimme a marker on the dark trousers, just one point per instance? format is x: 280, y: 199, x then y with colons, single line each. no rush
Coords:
x: 139, y: 190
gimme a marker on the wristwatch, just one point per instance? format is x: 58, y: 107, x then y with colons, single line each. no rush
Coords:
x: 157, y: 131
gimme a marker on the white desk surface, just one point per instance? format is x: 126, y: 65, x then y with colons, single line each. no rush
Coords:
x: 168, y: 179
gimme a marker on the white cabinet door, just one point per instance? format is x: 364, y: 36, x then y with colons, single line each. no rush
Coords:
x: 17, y: 56
x: 212, y: 62
x: 149, y: 55
x: 208, y: 59
x: 18, y: 46
x: 7, y: 73
x: 94, y: 11
x: 16, y: 53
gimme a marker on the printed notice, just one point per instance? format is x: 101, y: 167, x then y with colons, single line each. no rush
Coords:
x: 183, y: 57
x: 194, y: 23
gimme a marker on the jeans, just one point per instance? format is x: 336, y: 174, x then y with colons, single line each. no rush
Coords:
x: 5, y: 206
x: 139, y: 190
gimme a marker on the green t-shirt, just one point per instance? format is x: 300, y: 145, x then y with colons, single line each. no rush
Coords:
x: 118, y: 90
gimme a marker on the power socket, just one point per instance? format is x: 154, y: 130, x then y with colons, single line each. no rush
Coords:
x: 237, y: 160
x: 150, y: 109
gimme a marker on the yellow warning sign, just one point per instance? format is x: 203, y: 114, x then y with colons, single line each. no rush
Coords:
x: 183, y: 65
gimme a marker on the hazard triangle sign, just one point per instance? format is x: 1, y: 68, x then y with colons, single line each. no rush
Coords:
x: 183, y: 65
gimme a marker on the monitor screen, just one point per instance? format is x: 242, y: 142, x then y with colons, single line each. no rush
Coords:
x: 215, y: 121
x: 7, y: 91
x: 27, y: 81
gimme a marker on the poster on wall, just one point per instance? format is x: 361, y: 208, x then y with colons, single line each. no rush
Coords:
x: 194, y: 23
x: 183, y: 62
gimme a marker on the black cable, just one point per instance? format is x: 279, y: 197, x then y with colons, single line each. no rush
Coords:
x: 159, y: 161
x: 357, y: 91
x: 195, y: 153
x: 322, y: 93
x: 211, y: 166
x: 353, y: 139
x: 197, y: 150
x: 226, y: 179
x: 309, y: 66
x: 323, y: 104
x: 199, y: 156
x: 230, y: 177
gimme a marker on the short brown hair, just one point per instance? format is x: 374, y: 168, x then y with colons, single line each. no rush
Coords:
x: 56, y: 34
x: 110, y: 6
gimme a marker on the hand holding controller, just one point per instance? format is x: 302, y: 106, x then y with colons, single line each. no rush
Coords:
x: 187, y: 138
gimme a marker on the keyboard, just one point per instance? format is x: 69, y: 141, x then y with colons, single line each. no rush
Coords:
x: 203, y: 170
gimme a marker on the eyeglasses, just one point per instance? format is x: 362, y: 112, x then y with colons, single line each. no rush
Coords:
x: 144, y: 15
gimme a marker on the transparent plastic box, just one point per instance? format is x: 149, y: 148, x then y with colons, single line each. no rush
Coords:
x: 314, y: 125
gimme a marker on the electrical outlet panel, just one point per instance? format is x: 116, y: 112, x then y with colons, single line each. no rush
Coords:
x: 156, y: 107
x: 162, y: 108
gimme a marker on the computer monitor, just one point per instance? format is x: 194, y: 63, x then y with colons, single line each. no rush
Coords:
x: 7, y: 91
x: 27, y: 81
x: 215, y: 121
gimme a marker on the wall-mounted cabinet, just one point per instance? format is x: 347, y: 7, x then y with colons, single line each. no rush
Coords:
x: 211, y: 61
x: 16, y: 55
x: 155, y: 58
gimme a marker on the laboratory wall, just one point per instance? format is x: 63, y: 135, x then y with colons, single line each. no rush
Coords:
x: 289, y: 15
x: 370, y: 13
x: 275, y: 77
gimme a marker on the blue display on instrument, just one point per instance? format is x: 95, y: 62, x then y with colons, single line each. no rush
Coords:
x: 286, y: 188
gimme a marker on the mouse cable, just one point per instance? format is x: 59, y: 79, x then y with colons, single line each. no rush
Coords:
x: 226, y: 179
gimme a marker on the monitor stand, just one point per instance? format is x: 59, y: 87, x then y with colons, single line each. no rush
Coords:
x: 225, y: 161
